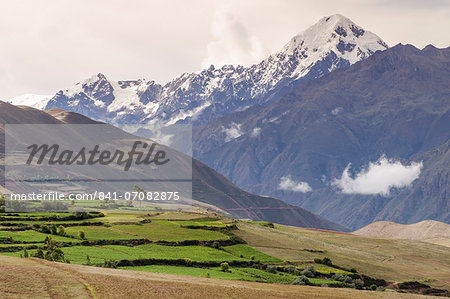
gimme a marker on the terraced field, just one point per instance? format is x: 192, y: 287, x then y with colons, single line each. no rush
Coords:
x: 163, y: 230
x: 204, y: 246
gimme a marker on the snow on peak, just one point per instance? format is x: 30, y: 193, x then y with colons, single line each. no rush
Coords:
x: 32, y: 100
x: 331, y: 43
x: 338, y: 34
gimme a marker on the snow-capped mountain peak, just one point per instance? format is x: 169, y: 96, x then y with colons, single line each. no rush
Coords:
x: 336, y: 33
x: 331, y: 43
x: 33, y: 100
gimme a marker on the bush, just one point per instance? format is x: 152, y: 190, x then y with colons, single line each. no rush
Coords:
x: 271, y: 269
x: 309, y: 272
x: 289, y: 269
x: 25, y: 253
x: 436, y: 292
x: 53, y: 229
x: 54, y: 252
x: 61, y: 231
x: 82, y: 234
x: 359, y: 284
x: 188, y: 261
x: 301, y: 280
x: 2, y: 204
x: 110, y: 264
x: 39, y: 254
x: 368, y: 281
x: 342, y: 278
x: 88, y: 260
x: 373, y: 287
x: 45, y: 229
x: 327, y: 261
x: 224, y: 267
x: 412, y: 285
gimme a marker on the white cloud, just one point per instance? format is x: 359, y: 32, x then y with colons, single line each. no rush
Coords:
x: 337, y: 110
x: 286, y: 183
x: 233, y: 43
x: 255, y: 132
x: 379, y: 178
x: 233, y: 132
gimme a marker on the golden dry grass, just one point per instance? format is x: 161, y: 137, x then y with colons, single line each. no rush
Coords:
x: 393, y: 260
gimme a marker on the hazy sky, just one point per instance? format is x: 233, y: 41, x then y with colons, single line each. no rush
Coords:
x: 47, y: 45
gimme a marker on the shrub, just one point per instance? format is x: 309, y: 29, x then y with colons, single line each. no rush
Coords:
x: 373, y: 287
x: 25, y: 253
x: 309, y: 272
x: 317, y: 261
x: 216, y: 245
x: 301, y: 280
x: 224, y: 267
x: 82, y: 234
x: 411, y: 285
x: 2, y: 204
x: 342, y: 278
x: 39, y: 254
x: 61, y: 231
x: 358, y: 284
x: 45, y: 229
x: 188, y: 261
x: 271, y: 269
x: 110, y: 264
x: 436, y: 292
x: 289, y: 269
x: 88, y: 260
x: 368, y: 281
x: 53, y: 229
x: 327, y: 261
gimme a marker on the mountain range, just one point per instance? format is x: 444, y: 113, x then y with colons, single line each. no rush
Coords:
x: 335, y: 122
x: 332, y: 43
x: 209, y: 188
x: 331, y: 142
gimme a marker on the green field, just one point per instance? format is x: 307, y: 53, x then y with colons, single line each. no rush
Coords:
x: 33, y: 236
x: 249, y: 252
x: 235, y: 273
x: 200, y: 224
x: 98, y: 254
x: 190, y: 271
x: 94, y: 233
x: 162, y: 230
x: 263, y: 251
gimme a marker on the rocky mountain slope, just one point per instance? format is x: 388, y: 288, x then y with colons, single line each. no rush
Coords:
x: 331, y: 142
x: 208, y: 186
x: 428, y: 231
x: 332, y: 43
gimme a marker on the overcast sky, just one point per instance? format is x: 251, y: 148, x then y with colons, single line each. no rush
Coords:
x: 47, y: 45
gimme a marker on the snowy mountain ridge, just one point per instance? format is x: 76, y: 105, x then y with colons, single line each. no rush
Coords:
x: 195, y: 98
